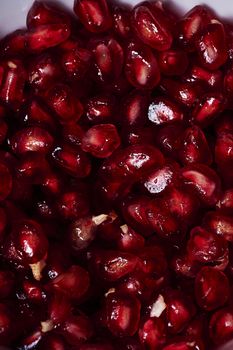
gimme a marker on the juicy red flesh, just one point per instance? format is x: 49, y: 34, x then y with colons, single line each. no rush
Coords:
x: 116, y: 179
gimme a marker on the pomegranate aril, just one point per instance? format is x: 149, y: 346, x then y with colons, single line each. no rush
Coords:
x: 100, y: 109
x: 7, y: 283
x: 76, y: 62
x: 152, y: 333
x: 14, y: 43
x: 135, y: 108
x: 223, y: 147
x: 43, y: 13
x: 168, y: 138
x: 73, y: 204
x: 43, y: 72
x: 194, y: 148
x: 77, y: 330
x: 179, y: 311
x: 101, y: 140
x: 226, y: 201
x: 130, y: 240
x: 173, y: 62
x: 138, y: 135
x: 192, y: 24
x: 208, y: 108
x: 211, y: 45
x: 74, y: 282
x: 162, y: 178
x: 162, y: 111
x: 122, y: 313
x: 12, y: 82
x: 185, y: 343
x: 211, y: 288
x: 221, y: 326
x: 31, y: 139
x: 220, y: 222
x: 207, y: 248
x: 141, y: 67
x: 185, y: 93
x: 212, y: 79
x: 53, y: 342
x: 71, y: 160
x: 34, y: 291
x: 32, y: 165
x: 121, y: 23
x: 73, y: 134
x: 64, y: 103
x: 94, y: 15
x: 46, y: 36
x: 204, y: 181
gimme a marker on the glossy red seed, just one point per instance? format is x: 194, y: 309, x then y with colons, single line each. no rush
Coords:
x: 162, y: 178
x: 72, y: 161
x: 73, y: 282
x: 52, y: 342
x: 212, y: 79
x: 194, y: 147
x: 94, y: 15
x: 31, y: 139
x: 73, y: 134
x: 121, y: 23
x: 14, y: 43
x: 43, y: 72
x: 152, y: 333
x: 179, y: 311
x: 33, y: 291
x: 211, y: 288
x: 101, y: 140
x: 173, y: 62
x: 168, y: 138
x: 221, y: 326
x: 64, y: 102
x: 204, y: 181
x: 135, y: 108
x: 5, y: 181
x: 72, y: 204
x: 141, y: 67
x: 211, y: 46
x: 220, y: 222
x: 208, y: 108
x: 81, y: 233
x: 207, y: 247
x: 130, y: 240
x: 185, y: 343
x: 122, y: 314
x: 76, y: 62
x: 100, y: 109
x: 226, y: 200
x: 192, y: 24
x: 7, y: 283
x: 223, y: 147
x: 163, y: 111
x: 46, y: 36
x: 12, y: 82
x: 77, y: 330
x: 151, y: 27
x: 43, y: 13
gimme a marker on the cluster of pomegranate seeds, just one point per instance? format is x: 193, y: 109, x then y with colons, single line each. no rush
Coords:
x: 116, y: 179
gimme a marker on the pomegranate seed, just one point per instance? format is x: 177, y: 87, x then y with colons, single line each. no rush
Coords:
x: 211, y: 46
x: 43, y: 13
x: 43, y: 72
x: 213, y: 79
x: 122, y: 314
x: 108, y: 59
x: 168, y: 138
x: 135, y: 108
x: 162, y: 111
x: 101, y: 140
x: 185, y: 93
x: 72, y: 161
x: 130, y: 240
x: 208, y: 108
x: 141, y: 67
x: 194, y: 147
x: 226, y: 200
x: 43, y: 37
x: 77, y: 330
x: 221, y: 326
x: 73, y: 282
x: 31, y: 139
x: 12, y: 82
x: 64, y: 103
x: 31, y: 245
x: 138, y: 135
x: 188, y: 343
x: 151, y: 27
x: 7, y: 283
x: 94, y: 15
x: 160, y: 179
x: 76, y: 62
x: 173, y: 62
x: 206, y: 247
x: 14, y: 43
x: 73, y: 134
x: 152, y: 333
x: 204, y: 181
x: 211, y: 288
x: 100, y: 109
x: 52, y: 342
x: 219, y: 222
x: 121, y: 23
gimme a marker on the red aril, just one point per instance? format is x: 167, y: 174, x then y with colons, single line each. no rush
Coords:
x: 221, y: 326
x: 163, y: 111
x: 173, y: 62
